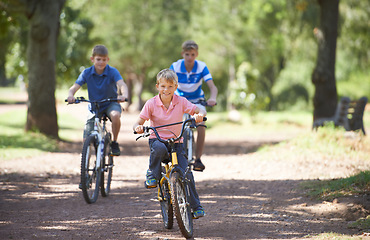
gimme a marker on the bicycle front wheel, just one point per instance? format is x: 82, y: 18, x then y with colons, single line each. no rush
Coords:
x: 107, y: 169
x: 181, y: 205
x: 90, y: 175
x: 166, y: 205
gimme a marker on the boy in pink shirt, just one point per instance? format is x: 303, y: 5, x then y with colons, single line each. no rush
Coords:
x: 163, y: 109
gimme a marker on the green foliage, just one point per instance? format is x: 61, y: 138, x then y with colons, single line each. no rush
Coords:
x: 274, y: 36
x: 74, y: 42
x: 13, y: 42
x: 356, y: 86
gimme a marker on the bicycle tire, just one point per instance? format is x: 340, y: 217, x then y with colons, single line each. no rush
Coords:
x: 90, y: 176
x: 181, y: 205
x: 166, y: 205
x: 107, y: 169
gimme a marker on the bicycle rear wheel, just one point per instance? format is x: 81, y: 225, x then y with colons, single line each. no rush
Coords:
x: 166, y: 205
x: 90, y: 176
x: 181, y: 205
x: 107, y: 169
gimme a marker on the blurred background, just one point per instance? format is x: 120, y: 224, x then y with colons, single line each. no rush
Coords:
x: 261, y: 53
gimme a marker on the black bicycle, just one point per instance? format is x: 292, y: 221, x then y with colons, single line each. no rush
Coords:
x: 96, y: 158
x: 173, y: 188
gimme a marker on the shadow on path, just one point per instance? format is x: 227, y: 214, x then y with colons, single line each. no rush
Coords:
x: 51, y: 206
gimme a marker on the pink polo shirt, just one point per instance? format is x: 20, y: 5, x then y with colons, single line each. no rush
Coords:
x: 158, y: 114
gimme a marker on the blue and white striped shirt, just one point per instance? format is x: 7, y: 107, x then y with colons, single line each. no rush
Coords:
x: 190, y: 83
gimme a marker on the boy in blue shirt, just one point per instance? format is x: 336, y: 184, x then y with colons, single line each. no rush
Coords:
x: 103, y: 81
x: 190, y: 73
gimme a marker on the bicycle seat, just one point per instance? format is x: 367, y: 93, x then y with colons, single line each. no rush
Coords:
x: 105, y: 117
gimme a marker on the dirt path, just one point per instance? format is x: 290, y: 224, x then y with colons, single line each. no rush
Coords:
x: 244, y: 198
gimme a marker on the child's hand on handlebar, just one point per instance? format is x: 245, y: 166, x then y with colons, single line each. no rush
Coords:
x: 139, y: 129
x: 211, y: 102
x: 198, y: 117
x: 71, y: 99
x: 121, y: 98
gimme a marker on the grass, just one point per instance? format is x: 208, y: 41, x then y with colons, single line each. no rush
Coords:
x: 333, y: 236
x: 261, y: 123
x: 358, y: 184
x: 16, y: 143
x: 332, y: 142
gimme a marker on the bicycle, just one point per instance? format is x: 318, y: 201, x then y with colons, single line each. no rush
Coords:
x: 96, y: 158
x: 173, y: 188
x: 189, y: 142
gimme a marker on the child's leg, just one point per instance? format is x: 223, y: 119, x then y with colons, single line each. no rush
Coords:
x: 158, y: 151
x: 201, y: 135
x: 116, y: 123
x: 114, y: 113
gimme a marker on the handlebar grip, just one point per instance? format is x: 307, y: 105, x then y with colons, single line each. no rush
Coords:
x: 65, y: 100
x: 204, y: 118
x: 135, y: 132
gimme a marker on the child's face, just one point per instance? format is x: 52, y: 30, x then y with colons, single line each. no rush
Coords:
x: 100, y: 62
x: 166, y: 89
x: 190, y: 56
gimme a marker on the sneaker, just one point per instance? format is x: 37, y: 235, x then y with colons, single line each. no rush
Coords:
x: 150, y: 181
x: 198, y: 165
x: 198, y: 213
x: 115, y: 149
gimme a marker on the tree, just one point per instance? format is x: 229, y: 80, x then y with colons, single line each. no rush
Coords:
x: 323, y: 76
x: 142, y: 36
x: 43, y: 20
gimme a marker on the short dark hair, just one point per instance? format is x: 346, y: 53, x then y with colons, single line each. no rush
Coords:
x: 100, y: 50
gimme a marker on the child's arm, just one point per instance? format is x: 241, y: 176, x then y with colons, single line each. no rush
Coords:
x: 213, y: 93
x: 122, y: 90
x: 71, y: 93
x: 138, y: 126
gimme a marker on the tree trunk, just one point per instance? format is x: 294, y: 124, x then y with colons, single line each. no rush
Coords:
x: 43, y: 18
x: 323, y: 76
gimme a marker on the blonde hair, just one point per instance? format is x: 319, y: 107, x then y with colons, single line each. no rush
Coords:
x: 100, y: 50
x: 189, y: 45
x: 167, y: 75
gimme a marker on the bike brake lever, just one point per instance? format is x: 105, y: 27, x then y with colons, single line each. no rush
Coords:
x: 143, y: 136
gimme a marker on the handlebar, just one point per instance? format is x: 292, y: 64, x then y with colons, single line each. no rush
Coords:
x: 154, y: 129
x: 203, y: 102
x: 82, y: 99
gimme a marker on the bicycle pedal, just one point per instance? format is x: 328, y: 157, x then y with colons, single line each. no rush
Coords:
x: 198, y: 170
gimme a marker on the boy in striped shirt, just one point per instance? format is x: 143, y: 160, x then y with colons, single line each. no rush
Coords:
x: 191, y: 73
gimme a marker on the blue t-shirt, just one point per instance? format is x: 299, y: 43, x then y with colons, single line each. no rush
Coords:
x: 100, y: 86
x: 190, y: 83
